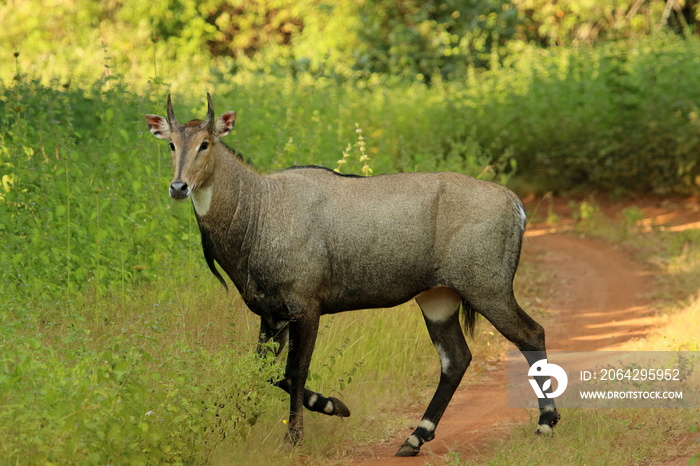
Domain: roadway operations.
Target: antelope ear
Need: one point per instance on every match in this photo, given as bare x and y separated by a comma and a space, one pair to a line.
158, 126
224, 124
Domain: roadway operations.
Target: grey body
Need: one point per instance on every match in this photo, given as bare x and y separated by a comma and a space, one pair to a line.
305, 242
355, 243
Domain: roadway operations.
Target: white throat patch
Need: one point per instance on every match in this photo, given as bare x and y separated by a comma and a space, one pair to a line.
201, 199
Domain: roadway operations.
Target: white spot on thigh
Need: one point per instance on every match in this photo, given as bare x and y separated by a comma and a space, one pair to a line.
444, 360
427, 425
413, 441
312, 399
438, 304
329, 407
201, 199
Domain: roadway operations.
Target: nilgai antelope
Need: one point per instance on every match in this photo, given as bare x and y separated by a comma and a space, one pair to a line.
307, 241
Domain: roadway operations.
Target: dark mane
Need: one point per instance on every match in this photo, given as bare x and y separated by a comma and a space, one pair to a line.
237, 154
319, 167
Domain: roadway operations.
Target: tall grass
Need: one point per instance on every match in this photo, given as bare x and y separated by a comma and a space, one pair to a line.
111, 314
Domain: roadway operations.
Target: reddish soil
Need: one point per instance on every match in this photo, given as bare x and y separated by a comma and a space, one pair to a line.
600, 301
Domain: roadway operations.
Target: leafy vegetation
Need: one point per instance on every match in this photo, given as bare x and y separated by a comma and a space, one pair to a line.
343, 39
124, 400
78, 169
115, 343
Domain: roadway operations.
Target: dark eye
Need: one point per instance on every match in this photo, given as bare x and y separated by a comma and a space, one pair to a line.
204, 145
172, 146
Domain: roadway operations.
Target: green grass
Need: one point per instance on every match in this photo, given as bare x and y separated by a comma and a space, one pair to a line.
111, 313
588, 436
109, 362
106, 359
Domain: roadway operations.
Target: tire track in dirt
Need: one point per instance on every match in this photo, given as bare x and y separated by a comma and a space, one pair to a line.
600, 302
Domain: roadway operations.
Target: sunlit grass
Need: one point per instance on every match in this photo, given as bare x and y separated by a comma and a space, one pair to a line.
380, 362
597, 436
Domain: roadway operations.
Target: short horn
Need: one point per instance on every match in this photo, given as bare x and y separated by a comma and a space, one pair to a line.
171, 115
209, 122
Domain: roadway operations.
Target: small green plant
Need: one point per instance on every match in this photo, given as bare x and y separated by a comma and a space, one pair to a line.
632, 217
361, 147
343, 159
696, 456
328, 368
552, 217
587, 215
586, 212
453, 459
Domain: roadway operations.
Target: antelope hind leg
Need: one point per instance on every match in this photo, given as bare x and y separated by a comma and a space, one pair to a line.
440, 310
528, 336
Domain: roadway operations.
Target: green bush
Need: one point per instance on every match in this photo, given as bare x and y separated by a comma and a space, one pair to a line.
621, 117
124, 401
79, 182
565, 22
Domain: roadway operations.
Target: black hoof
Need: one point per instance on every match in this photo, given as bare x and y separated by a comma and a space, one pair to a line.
547, 421
339, 408
407, 450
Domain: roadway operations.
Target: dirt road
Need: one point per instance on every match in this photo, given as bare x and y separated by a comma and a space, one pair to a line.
601, 302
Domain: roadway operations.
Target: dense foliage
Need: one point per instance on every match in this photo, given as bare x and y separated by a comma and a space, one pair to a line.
126, 401
522, 91
343, 39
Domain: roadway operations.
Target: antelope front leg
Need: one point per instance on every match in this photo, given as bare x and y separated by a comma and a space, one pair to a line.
275, 331
303, 328
279, 333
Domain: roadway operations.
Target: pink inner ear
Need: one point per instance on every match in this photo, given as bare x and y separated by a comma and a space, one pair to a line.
155, 121
158, 126
224, 124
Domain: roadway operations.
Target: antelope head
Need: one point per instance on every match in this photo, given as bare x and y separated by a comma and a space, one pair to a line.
192, 146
